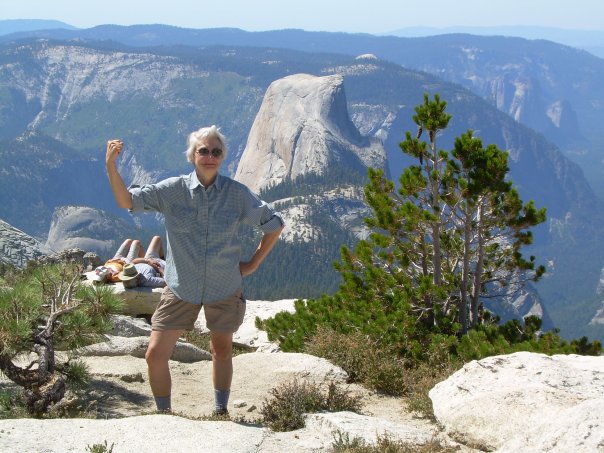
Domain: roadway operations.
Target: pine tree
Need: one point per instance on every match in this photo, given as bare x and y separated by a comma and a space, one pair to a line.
44, 310
493, 220
453, 228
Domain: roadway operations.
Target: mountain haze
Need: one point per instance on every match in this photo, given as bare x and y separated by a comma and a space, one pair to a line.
63, 99
553, 88
590, 40
10, 26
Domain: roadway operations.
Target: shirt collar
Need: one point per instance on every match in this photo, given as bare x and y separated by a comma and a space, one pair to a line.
193, 182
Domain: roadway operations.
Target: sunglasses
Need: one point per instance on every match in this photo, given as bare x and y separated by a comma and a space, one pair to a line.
216, 152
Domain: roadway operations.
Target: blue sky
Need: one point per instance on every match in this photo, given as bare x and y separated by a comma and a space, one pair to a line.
367, 16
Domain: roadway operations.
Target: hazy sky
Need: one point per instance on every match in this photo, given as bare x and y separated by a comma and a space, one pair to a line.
367, 16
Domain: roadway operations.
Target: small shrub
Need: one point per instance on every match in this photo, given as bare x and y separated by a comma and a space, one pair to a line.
385, 444
513, 336
338, 400
285, 412
221, 417
380, 369
75, 404
12, 406
100, 448
290, 401
47, 309
385, 371
584, 347
480, 343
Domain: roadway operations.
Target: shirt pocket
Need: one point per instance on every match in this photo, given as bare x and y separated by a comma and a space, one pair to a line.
226, 221
181, 219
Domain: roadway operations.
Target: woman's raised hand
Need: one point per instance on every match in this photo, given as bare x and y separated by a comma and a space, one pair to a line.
114, 148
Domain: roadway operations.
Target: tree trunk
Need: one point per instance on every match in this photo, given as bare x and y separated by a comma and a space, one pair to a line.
479, 266
39, 399
42, 385
465, 279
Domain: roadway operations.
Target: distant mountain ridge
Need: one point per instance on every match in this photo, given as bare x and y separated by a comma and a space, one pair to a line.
66, 98
552, 88
590, 40
8, 26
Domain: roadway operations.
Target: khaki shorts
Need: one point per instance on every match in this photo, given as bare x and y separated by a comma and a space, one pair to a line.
173, 313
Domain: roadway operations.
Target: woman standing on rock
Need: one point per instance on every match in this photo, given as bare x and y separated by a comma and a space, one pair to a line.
203, 211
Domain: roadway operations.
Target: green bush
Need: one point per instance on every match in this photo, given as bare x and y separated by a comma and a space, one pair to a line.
492, 339
584, 347
12, 406
385, 317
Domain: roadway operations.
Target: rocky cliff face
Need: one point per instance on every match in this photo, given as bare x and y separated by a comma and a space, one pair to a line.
17, 247
88, 229
520, 303
343, 207
74, 75
598, 318
303, 127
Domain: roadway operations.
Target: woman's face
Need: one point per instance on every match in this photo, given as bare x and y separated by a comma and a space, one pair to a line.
208, 156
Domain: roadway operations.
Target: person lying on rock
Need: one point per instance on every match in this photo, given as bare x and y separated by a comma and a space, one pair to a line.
133, 267
146, 270
203, 211
109, 272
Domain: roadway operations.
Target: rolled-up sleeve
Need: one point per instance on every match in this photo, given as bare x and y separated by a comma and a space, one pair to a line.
153, 197
144, 198
260, 214
273, 224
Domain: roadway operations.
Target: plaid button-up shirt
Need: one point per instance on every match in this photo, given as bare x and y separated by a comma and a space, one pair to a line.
202, 224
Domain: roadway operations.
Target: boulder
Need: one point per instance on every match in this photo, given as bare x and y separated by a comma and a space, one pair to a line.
525, 402
134, 434
181, 435
137, 346
127, 326
137, 301
87, 260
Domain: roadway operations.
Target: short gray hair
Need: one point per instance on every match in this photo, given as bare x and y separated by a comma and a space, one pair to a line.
195, 138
